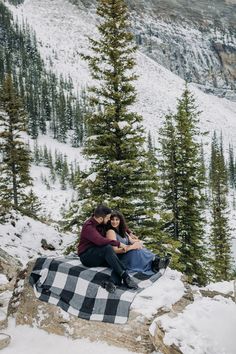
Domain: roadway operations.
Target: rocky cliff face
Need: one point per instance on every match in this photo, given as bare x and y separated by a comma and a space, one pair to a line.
195, 39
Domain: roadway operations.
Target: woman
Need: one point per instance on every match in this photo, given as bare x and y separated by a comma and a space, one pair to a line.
135, 257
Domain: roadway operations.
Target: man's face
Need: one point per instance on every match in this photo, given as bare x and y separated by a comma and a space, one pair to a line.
106, 218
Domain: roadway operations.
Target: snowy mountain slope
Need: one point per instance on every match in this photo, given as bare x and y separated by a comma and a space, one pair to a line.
194, 39
62, 30
54, 200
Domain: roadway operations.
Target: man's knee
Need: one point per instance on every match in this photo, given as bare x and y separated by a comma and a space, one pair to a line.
108, 249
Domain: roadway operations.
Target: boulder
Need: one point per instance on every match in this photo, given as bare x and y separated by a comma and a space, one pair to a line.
28, 310
3, 320
47, 246
9, 266
4, 340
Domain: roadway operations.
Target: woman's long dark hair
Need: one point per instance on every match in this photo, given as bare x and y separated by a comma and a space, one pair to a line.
122, 228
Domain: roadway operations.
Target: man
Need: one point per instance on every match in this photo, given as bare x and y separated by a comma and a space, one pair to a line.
95, 250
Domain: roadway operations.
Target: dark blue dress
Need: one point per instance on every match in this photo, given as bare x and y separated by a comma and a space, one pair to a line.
136, 260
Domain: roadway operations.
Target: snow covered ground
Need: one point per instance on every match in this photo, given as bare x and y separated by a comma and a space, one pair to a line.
27, 340
54, 200
22, 237
206, 326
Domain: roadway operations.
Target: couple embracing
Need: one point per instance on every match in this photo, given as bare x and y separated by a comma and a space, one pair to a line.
105, 240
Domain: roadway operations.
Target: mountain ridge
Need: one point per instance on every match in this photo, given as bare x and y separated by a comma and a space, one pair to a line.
194, 39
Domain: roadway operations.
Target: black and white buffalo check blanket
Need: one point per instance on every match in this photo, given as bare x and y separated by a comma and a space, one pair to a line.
65, 282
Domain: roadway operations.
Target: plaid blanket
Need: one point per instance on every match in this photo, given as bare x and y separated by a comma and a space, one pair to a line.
65, 282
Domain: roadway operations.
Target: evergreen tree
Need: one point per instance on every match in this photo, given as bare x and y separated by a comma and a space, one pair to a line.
14, 176
220, 232
36, 153
69, 111
151, 150
33, 124
120, 174
204, 172
64, 173
232, 168
182, 182
32, 205
169, 176
16, 2
78, 125
61, 115
45, 101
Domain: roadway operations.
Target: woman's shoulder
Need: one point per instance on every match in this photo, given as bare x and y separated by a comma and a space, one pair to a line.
110, 229
111, 232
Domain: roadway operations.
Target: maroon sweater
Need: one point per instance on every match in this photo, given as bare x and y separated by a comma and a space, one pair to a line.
92, 235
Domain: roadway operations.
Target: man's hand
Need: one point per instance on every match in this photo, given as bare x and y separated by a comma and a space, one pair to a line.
134, 237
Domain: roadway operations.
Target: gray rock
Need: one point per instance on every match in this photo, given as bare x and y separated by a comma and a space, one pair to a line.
47, 246
9, 265
4, 340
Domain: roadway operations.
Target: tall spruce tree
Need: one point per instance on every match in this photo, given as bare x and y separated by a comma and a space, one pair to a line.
14, 170
169, 176
182, 184
120, 174
232, 167
220, 231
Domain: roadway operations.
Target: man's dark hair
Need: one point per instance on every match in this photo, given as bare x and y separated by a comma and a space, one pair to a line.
101, 211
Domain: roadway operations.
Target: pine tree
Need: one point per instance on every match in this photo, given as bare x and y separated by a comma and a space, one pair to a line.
220, 231
32, 205
14, 176
45, 100
232, 169
120, 174
78, 125
36, 154
64, 173
151, 149
183, 184
61, 115
169, 176
204, 173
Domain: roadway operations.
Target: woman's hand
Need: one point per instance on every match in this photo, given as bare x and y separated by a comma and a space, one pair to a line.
123, 246
137, 245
